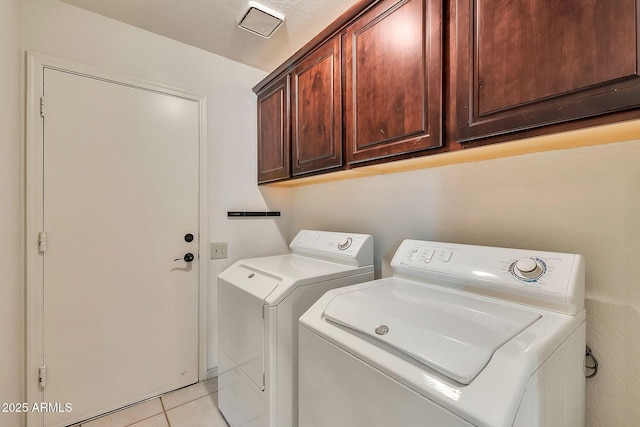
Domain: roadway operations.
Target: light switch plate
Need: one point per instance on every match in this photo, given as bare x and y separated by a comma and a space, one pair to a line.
218, 250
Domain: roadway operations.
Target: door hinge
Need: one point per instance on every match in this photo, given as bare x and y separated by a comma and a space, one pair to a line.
42, 376
42, 241
42, 106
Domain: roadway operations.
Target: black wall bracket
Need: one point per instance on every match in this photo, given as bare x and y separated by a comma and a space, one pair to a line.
252, 214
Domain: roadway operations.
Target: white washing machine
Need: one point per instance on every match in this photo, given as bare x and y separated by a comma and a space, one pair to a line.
459, 336
259, 303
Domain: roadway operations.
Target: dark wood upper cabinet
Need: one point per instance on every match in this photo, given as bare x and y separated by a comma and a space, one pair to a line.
274, 146
524, 64
392, 58
374, 85
316, 111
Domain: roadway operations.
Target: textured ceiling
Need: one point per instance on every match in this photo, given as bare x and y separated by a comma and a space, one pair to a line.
211, 24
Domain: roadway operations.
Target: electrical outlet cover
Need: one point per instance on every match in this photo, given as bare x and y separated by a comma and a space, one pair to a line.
218, 250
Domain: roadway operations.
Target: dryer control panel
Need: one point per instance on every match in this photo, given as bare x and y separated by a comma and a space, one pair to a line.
549, 280
345, 248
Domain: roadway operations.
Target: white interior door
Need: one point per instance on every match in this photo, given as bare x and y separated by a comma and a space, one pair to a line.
121, 191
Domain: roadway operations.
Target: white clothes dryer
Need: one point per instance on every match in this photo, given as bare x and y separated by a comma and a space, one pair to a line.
259, 303
459, 336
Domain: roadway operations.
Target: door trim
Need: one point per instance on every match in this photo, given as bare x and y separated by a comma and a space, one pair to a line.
34, 208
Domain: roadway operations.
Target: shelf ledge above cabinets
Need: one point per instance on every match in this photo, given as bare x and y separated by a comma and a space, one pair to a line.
606, 134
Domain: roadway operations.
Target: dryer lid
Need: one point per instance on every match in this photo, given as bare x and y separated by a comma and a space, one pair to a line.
276, 277
258, 284
452, 333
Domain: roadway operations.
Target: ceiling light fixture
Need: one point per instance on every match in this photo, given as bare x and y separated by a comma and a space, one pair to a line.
261, 20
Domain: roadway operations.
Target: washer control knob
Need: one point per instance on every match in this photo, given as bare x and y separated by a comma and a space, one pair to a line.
528, 268
344, 243
526, 265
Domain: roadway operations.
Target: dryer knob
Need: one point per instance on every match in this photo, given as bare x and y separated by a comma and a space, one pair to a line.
344, 243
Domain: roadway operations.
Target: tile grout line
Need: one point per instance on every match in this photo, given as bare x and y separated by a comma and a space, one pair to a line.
191, 400
166, 417
164, 410
151, 416
186, 403
116, 411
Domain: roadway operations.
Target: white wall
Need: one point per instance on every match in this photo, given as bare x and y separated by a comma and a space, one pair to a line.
63, 31
11, 257
583, 200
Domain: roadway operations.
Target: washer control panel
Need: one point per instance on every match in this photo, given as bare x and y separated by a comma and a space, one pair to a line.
549, 279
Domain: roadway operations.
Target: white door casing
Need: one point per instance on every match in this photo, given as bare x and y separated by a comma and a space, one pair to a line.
108, 179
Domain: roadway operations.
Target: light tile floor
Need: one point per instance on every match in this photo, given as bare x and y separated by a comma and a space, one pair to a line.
193, 406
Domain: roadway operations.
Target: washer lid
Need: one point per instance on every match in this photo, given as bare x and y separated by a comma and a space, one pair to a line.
452, 333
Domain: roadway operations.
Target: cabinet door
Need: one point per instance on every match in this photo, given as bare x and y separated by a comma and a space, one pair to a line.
316, 106
523, 64
393, 80
273, 132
